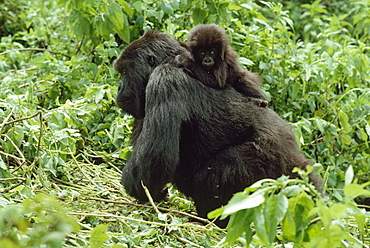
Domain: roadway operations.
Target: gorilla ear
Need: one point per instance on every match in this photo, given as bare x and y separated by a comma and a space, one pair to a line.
151, 60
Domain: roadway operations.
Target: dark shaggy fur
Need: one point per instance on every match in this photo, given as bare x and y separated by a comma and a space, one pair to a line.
215, 63
210, 143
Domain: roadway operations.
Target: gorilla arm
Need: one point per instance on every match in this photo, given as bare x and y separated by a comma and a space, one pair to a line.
156, 153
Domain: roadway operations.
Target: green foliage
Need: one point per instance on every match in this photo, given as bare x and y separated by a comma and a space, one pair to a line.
61, 132
96, 20
98, 236
285, 211
38, 221
322, 87
12, 19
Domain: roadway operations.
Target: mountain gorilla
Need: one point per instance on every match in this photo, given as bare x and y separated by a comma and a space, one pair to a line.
208, 142
215, 63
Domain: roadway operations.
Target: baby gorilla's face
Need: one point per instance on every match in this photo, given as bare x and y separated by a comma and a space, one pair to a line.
206, 57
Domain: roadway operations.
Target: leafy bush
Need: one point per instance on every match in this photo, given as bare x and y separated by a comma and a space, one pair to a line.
38, 221
287, 211
12, 18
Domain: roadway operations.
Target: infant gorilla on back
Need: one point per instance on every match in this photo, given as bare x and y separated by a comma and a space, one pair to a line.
215, 63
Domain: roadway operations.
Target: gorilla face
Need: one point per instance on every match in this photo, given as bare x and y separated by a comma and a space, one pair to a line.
131, 89
136, 63
208, 57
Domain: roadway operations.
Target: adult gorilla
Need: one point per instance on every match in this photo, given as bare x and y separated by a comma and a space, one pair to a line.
209, 142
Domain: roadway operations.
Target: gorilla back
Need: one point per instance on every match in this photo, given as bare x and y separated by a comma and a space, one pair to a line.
210, 143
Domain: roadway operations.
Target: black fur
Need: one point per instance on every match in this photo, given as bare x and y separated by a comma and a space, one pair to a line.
209, 142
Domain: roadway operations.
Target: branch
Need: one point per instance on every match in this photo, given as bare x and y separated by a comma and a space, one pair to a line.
22, 119
16, 71
151, 207
35, 49
104, 215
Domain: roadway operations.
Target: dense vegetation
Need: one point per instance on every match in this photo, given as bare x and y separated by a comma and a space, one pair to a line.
63, 141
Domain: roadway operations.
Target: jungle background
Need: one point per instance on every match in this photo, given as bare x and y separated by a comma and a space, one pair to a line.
63, 140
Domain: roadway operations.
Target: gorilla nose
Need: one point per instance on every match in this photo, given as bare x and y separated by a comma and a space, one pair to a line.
208, 62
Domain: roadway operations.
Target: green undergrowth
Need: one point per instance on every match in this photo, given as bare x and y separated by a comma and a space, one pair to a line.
90, 208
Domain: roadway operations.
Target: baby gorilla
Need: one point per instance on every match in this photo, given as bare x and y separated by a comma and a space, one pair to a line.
215, 63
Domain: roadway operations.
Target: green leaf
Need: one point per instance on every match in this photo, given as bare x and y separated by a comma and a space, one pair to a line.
346, 139
129, 11
245, 61
39, 61
363, 135
353, 190
199, 15
320, 125
275, 208
239, 223
82, 27
361, 221
260, 225
162, 217
3, 202
222, 11
2, 166
115, 15
289, 226
292, 190
241, 201
314, 232
349, 175
166, 8
298, 216
125, 32
343, 120
234, 7
337, 210
159, 15
98, 236
295, 90
215, 213
367, 128
247, 6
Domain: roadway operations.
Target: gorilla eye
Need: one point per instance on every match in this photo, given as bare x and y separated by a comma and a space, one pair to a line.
202, 53
212, 52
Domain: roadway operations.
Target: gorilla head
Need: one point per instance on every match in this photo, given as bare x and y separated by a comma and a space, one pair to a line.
136, 63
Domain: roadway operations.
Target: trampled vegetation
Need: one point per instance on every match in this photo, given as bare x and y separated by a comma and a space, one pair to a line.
63, 140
